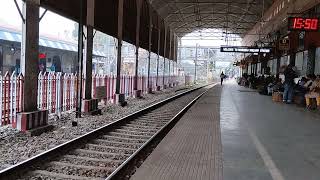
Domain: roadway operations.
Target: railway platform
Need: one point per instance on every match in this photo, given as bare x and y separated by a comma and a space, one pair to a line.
192, 149
234, 133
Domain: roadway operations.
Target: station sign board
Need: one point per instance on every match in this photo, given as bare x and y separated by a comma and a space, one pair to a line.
101, 92
284, 44
244, 49
303, 24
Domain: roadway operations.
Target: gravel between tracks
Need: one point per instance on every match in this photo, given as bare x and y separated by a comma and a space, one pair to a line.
84, 166
16, 146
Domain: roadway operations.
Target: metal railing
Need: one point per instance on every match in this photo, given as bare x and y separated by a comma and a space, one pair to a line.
57, 91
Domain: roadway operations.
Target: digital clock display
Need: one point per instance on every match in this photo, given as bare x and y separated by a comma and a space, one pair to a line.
303, 24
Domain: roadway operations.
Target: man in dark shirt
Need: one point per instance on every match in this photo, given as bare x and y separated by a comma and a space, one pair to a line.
222, 76
289, 75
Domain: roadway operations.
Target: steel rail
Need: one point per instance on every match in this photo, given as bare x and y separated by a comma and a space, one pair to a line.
118, 173
25, 166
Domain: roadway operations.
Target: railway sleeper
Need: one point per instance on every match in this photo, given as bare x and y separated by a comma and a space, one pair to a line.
156, 116
125, 131
122, 139
131, 136
78, 170
99, 154
117, 143
144, 125
43, 174
154, 120
144, 129
155, 124
111, 149
79, 160
141, 127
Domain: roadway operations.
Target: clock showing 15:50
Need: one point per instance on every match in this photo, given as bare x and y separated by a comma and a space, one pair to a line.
303, 24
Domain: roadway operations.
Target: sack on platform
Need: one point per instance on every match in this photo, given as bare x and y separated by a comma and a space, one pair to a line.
277, 96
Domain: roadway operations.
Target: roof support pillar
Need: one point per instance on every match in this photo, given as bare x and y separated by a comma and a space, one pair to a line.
120, 98
137, 93
173, 57
80, 61
87, 61
170, 57
29, 69
176, 55
264, 64
174, 48
256, 69
164, 57
89, 105
278, 53
311, 60
293, 58
158, 57
88, 46
30, 53
150, 45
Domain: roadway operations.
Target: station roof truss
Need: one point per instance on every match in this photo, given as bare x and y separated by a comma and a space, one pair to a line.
231, 16
178, 17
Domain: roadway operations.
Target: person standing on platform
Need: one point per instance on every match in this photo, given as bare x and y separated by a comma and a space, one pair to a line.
289, 75
222, 77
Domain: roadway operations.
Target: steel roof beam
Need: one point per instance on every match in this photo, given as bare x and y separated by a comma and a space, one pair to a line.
212, 2
215, 20
218, 13
191, 6
213, 27
179, 11
203, 25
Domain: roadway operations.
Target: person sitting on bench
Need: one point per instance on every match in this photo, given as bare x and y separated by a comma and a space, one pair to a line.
275, 85
314, 93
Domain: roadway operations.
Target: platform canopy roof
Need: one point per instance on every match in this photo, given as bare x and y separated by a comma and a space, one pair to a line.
233, 16
179, 16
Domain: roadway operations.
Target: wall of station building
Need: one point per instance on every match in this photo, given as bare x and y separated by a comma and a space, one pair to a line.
53, 60
304, 53
301, 64
58, 60
275, 18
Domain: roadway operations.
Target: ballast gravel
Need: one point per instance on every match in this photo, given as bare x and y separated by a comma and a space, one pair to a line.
16, 146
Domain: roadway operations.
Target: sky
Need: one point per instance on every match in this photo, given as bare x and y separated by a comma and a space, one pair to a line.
51, 24
217, 41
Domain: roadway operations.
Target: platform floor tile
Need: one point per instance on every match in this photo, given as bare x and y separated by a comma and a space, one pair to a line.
192, 149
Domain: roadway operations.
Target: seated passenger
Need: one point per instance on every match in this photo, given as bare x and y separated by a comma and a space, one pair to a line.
310, 79
262, 85
314, 93
252, 81
276, 85
243, 81
302, 81
304, 84
301, 89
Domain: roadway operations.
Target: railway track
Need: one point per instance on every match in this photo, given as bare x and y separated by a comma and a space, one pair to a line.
108, 152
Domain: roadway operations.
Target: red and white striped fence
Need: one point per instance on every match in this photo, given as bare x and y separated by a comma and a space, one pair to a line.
57, 91
11, 91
